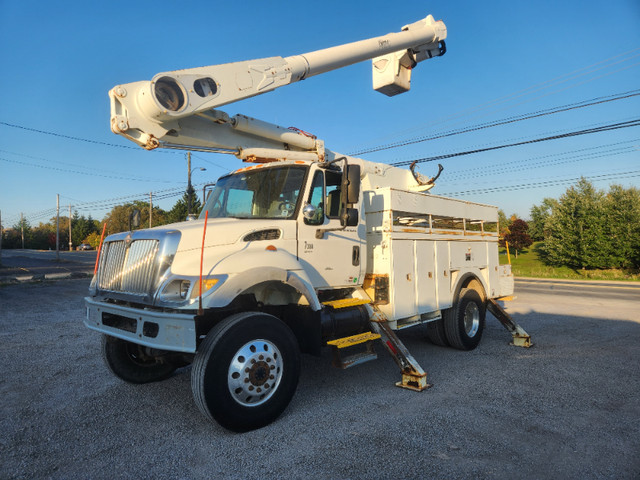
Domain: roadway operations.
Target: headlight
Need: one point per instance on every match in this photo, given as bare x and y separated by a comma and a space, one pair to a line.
175, 291
181, 290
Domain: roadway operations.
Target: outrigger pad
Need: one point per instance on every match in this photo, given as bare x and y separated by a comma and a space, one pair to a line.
520, 338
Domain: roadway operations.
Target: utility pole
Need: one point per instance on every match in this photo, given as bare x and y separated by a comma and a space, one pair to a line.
57, 227
22, 229
70, 242
189, 184
150, 207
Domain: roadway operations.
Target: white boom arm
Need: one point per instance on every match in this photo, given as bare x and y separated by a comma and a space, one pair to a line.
177, 109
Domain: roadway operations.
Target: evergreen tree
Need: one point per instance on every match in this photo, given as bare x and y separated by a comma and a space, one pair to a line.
576, 229
503, 223
622, 217
179, 211
539, 216
81, 228
23, 228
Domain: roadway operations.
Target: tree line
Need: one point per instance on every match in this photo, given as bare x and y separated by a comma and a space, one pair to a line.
585, 228
87, 230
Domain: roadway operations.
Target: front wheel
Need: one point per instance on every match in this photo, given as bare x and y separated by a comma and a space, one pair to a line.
132, 363
464, 322
246, 371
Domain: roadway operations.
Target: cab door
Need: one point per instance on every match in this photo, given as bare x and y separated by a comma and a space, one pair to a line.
335, 260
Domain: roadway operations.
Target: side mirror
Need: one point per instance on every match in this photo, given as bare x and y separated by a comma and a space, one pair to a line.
134, 219
353, 186
350, 218
309, 211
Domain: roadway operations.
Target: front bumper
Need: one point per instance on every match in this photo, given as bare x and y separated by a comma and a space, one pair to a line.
165, 331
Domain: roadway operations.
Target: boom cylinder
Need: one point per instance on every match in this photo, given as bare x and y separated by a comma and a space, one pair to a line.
425, 32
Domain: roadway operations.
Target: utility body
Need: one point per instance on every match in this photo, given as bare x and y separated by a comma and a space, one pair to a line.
301, 249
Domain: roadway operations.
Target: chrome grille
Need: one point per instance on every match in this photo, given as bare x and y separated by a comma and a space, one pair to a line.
128, 270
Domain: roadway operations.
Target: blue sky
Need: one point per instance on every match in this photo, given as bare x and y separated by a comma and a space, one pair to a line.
505, 59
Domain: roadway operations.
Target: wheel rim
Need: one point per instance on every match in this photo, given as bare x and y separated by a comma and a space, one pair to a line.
255, 373
471, 319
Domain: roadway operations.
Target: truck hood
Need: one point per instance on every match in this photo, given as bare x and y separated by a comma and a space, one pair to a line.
227, 231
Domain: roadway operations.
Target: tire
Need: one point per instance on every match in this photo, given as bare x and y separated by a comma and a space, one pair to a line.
436, 334
464, 322
129, 362
229, 376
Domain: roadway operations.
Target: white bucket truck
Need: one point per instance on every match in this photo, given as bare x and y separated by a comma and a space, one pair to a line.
300, 249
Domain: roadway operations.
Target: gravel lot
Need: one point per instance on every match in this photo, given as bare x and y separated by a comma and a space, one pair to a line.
567, 408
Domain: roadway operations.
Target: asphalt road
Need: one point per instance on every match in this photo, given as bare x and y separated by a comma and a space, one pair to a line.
621, 291
18, 263
567, 408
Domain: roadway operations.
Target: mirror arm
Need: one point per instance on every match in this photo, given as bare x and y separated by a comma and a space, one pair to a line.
344, 214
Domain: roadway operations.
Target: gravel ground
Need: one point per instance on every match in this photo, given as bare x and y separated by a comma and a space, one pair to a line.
566, 408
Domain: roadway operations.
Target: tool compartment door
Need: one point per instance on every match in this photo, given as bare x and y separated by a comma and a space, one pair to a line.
425, 276
403, 279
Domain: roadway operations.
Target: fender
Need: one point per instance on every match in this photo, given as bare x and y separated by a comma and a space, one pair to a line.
259, 267
465, 279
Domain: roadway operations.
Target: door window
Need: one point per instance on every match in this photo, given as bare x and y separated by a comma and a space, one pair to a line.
316, 198
334, 180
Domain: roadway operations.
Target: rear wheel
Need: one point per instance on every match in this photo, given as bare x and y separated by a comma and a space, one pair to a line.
464, 322
133, 363
246, 371
436, 333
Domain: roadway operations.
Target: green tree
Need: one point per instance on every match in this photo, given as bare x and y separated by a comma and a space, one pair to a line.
539, 216
93, 239
81, 228
11, 238
117, 219
575, 232
179, 211
622, 227
63, 234
503, 223
44, 236
23, 228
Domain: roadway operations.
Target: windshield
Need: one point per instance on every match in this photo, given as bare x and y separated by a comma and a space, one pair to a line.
259, 193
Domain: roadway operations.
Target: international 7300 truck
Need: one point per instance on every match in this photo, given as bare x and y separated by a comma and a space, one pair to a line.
302, 248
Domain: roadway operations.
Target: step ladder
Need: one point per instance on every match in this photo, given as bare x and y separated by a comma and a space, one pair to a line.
340, 346
413, 376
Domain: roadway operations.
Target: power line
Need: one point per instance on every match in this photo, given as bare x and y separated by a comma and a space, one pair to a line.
588, 131
532, 89
90, 174
92, 168
68, 137
104, 203
226, 169
505, 121
546, 183
527, 164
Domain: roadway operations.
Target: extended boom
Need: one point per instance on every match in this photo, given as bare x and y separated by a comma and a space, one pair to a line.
150, 113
